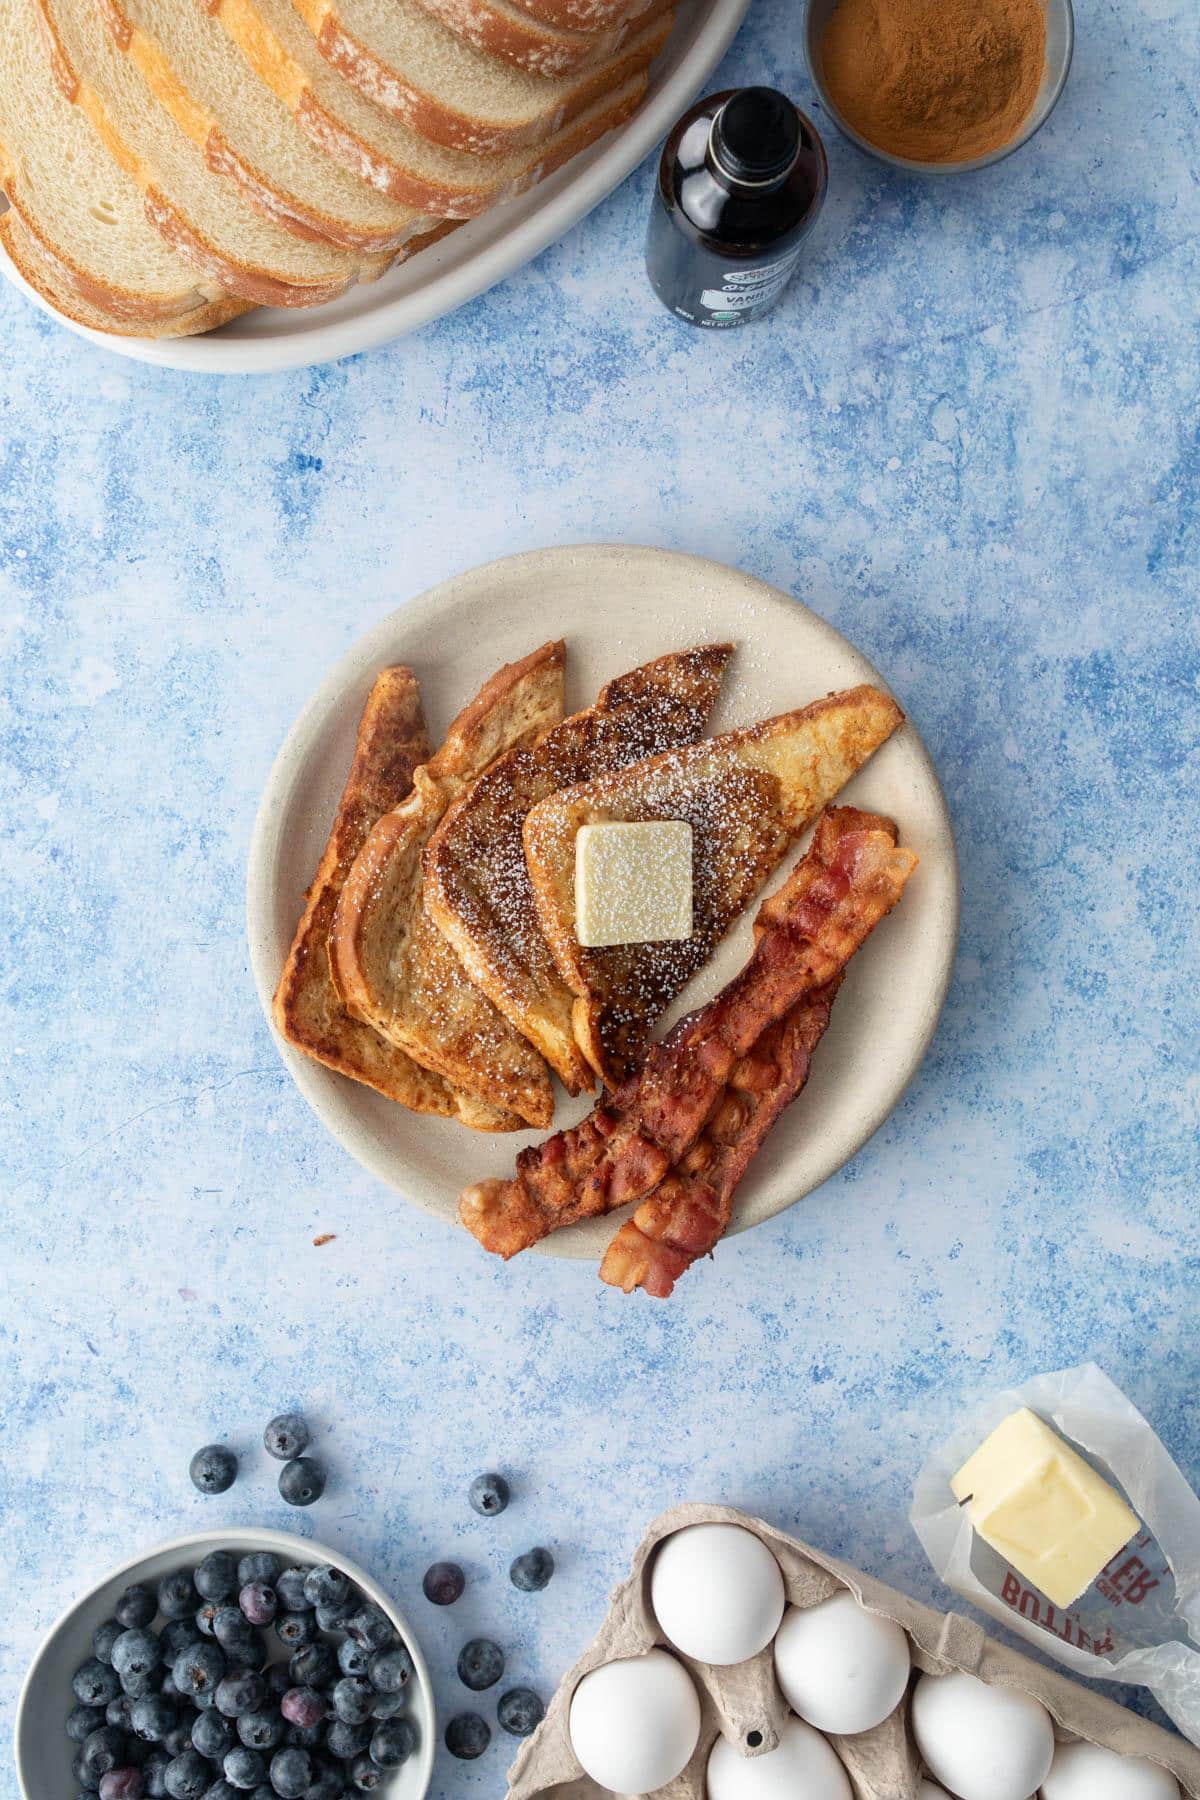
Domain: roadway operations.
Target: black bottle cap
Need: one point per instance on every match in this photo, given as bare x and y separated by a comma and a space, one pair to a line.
756, 136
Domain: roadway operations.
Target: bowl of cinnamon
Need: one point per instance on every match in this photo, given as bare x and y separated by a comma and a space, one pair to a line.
940, 86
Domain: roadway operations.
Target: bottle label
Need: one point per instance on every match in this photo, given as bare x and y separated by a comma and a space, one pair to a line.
749, 291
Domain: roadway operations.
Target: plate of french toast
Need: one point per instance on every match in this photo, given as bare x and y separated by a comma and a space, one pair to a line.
610, 942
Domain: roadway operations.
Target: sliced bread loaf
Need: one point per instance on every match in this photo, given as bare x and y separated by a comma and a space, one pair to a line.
539, 45
200, 214
578, 15
246, 132
75, 222
376, 146
409, 63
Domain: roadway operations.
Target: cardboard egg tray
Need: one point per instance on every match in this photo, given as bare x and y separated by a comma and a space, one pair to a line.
744, 1703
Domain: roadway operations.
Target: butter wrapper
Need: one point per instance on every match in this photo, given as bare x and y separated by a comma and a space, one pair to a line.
1139, 1621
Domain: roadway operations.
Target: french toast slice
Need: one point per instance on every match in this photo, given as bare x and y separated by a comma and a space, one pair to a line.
477, 889
392, 742
390, 963
747, 795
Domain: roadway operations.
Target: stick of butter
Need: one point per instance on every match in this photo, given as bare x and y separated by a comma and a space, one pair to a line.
1045, 1509
633, 883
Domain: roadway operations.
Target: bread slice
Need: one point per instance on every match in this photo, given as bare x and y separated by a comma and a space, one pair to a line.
390, 964
374, 145
477, 888
406, 61
578, 15
198, 213
505, 29
76, 226
244, 131
747, 795
392, 741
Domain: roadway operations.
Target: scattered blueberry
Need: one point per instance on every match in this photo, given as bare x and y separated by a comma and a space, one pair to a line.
301, 1481
154, 1771
532, 1571
136, 1651
241, 1692
344, 1740
333, 1618
221, 1790
286, 1436
244, 1768
262, 1729
520, 1712
117, 1712
199, 1670
325, 1585
443, 1583
366, 1775
265, 1792
94, 1683
370, 1627
258, 1602
330, 1782
104, 1749
467, 1736
236, 1636
187, 1776
480, 1664
216, 1576
177, 1596
121, 1784
212, 1734
351, 1698
391, 1669
83, 1720
488, 1495
386, 1706
137, 1606
258, 1565
314, 1665
303, 1706
213, 1469
294, 1629
103, 1639
84, 1777
151, 1718
179, 1635
142, 1682
290, 1592
206, 1617
179, 1740
352, 1659
393, 1742
292, 1772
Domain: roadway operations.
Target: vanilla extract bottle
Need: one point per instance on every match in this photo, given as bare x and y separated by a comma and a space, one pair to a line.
740, 184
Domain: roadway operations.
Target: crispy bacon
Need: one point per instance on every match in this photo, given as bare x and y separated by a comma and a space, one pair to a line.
690, 1210
851, 877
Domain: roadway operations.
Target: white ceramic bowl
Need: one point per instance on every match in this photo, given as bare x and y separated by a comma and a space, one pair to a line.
43, 1751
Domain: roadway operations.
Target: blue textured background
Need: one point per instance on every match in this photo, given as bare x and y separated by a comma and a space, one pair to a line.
969, 439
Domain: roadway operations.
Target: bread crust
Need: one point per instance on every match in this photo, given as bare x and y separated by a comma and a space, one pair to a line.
538, 45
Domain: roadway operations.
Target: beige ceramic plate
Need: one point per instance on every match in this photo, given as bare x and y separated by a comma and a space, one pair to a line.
617, 607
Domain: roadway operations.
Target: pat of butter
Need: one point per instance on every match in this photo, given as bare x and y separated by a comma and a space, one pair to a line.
633, 883
1045, 1509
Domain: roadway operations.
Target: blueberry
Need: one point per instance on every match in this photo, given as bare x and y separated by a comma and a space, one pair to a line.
179, 1740
290, 1592
121, 1784
242, 1645
305, 1737
333, 1618
177, 1596
135, 1652
325, 1586
265, 1792
279, 1678
118, 1711
532, 1571
179, 1635
294, 1629
386, 1706
94, 1683
215, 1577
221, 1790
390, 1670
154, 1771
286, 1436
520, 1712
244, 1768
292, 1772
103, 1639
104, 1749
303, 1706
480, 1664
199, 1670
301, 1481
488, 1495
371, 1628
84, 1777
352, 1697
137, 1606
467, 1736
261, 1729
205, 1618
213, 1469
244, 1691
352, 1659
330, 1781
212, 1734
366, 1775
187, 1776
443, 1583
258, 1602
83, 1720
393, 1742
136, 1686
315, 1665
258, 1565
151, 1718
344, 1740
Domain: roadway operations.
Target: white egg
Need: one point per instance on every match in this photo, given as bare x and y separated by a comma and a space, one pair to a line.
983, 1743
803, 1767
634, 1723
717, 1592
1086, 1772
841, 1667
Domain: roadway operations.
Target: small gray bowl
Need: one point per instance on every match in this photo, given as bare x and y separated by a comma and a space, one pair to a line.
1060, 45
43, 1752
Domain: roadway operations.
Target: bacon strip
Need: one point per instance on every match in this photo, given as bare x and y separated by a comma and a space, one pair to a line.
851, 877
689, 1212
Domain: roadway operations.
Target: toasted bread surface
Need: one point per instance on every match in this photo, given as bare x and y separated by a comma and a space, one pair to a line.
392, 741
747, 795
477, 888
391, 965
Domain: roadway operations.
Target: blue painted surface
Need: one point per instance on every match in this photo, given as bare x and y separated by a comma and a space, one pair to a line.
970, 440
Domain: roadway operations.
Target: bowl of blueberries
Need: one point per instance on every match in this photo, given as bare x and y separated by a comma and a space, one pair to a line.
229, 1665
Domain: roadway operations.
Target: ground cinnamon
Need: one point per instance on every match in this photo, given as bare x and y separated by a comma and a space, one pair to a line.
935, 80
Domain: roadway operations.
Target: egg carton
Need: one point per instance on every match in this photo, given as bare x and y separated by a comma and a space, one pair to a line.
744, 1704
